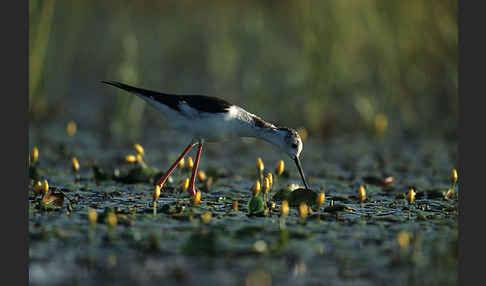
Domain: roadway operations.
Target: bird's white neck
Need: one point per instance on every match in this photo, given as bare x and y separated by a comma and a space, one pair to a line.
253, 126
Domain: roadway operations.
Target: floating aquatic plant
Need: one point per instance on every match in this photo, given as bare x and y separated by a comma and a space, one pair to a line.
319, 201
256, 205
139, 149
184, 185
197, 198
34, 155
454, 177
181, 163
403, 239
111, 219
206, 217
190, 164
75, 164
92, 216
38, 188
280, 168
284, 212
303, 211
260, 168
256, 188
156, 196
71, 128
131, 158
45, 187
266, 189
362, 193
411, 196
201, 175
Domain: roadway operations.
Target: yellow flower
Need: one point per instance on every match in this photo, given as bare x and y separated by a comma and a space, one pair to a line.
381, 123
190, 163
185, 184
131, 159
266, 185
111, 219
92, 216
75, 164
256, 188
34, 156
303, 210
235, 205
45, 187
202, 176
411, 196
206, 217
208, 183
156, 192
280, 168
197, 198
403, 239
71, 128
181, 163
285, 208
362, 193
139, 149
38, 188
260, 165
320, 199
454, 176
270, 178
139, 157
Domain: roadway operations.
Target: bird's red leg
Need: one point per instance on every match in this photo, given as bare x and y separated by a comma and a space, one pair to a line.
162, 180
192, 189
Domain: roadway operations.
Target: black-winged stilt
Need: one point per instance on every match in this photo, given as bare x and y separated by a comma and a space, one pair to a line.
213, 119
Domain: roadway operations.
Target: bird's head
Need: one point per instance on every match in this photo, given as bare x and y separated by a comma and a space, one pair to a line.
291, 144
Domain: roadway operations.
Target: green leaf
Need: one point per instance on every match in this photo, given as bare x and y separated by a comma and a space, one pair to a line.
255, 205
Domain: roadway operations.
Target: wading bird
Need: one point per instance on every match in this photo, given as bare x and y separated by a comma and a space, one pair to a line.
211, 119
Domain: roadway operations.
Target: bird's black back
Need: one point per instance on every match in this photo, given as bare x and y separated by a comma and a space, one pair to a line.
202, 103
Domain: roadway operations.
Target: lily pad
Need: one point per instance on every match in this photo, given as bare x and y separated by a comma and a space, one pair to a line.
336, 208
172, 209
302, 195
100, 175
138, 174
284, 193
255, 205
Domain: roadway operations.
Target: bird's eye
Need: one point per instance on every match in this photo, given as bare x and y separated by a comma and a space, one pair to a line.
294, 145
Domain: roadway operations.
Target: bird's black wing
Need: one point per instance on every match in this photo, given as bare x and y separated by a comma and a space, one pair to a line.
200, 102
206, 103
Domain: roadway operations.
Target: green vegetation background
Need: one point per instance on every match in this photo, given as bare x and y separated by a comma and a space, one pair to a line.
333, 67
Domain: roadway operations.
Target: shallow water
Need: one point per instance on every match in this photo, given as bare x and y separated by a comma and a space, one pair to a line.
357, 246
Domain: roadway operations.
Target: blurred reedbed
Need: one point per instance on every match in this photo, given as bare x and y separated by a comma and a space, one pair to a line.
333, 67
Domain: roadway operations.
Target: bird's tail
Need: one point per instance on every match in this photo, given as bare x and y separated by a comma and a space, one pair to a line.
170, 100
129, 88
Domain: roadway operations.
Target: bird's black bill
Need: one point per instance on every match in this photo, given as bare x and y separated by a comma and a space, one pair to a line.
297, 162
